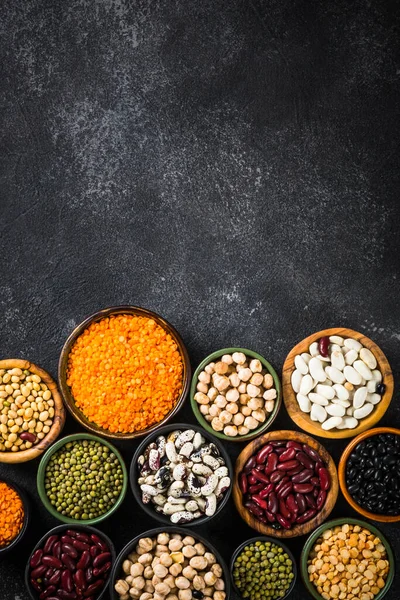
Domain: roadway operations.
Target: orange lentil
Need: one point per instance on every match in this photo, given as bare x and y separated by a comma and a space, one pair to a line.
11, 514
125, 373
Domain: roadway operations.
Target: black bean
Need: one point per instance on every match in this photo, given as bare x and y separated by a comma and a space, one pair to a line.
380, 388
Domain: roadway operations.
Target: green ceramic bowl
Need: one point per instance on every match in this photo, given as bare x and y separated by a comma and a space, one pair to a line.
42, 470
328, 525
195, 407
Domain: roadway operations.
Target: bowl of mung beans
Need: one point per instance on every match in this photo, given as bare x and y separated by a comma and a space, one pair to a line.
32, 413
348, 559
263, 568
124, 372
82, 478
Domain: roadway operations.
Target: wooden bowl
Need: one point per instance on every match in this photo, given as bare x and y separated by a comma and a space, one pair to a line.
263, 426
303, 420
63, 362
297, 530
58, 419
342, 475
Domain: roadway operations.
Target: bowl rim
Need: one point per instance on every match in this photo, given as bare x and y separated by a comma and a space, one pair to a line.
302, 420
264, 426
42, 469
27, 514
333, 523
153, 533
64, 527
284, 434
263, 538
69, 401
342, 474
135, 488
58, 419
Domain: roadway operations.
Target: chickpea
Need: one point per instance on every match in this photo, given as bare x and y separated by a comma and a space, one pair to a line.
162, 588
160, 571
188, 551
148, 572
185, 594
246, 411
219, 595
210, 578
145, 559
269, 395
182, 583
216, 569
259, 415
232, 408
242, 388
203, 408
220, 401
243, 430
269, 406
219, 585
201, 398
202, 387
135, 593
136, 569
225, 417
244, 374
251, 423
234, 380
165, 559
214, 411
238, 419
138, 583
204, 377
175, 569
255, 403
189, 573
231, 430
121, 587
244, 399
216, 424
210, 368
212, 393
221, 367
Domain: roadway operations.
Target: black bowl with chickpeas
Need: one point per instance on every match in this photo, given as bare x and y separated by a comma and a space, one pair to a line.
167, 563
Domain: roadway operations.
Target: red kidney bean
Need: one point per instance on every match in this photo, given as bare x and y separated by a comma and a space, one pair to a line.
251, 480
310, 501
282, 483
253, 508
309, 514
276, 476
94, 588
84, 560
289, 464
272, 461
279, 451
94, 551
57, 550
89, 574
270, 516
260, 476
315, 492
305, 460
313, 454
28, 437
288, 454
323, 346
49, 544
314, 480
259, 501
102, 570
66, 580
292, 504
243, 483
266, 491
82, 537
301, 502
70, 550
321, 499
283, 510
55, 578
36, 585
286, 524
72, 533
49, 573
81, 546
285, 490
272, 503
324, 479
250, 464
52, 561
294, 471
95, 538
68, 562
253, 489
278, 443
318, 465
303, 488
295, 445
303, 476
64, 595
80, 579
36, 558
67, 539
47, 592
262, 454
38, 571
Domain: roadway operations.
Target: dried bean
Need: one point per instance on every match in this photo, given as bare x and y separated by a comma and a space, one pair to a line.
286, 466
266, 491
260, 476
276, 476
321, 499
272, 462
94, 588
84, 560
70, 550
52, 561
283, 510
309, 514
106, 567
303, 476
301, 502
293, 444
38, 571
310, 501
68, 562
324, 479
262, 454
272, 503
323, 346
57, 550
288, 454
292, 504
260, 502
66, 580
49, 544
82, 546
303, 488
47, 592
80, 579
55, 578
101, 559
36, 558
286, 524
305, 460
243, 483
313, 454
95, 538
253, 489
250, 464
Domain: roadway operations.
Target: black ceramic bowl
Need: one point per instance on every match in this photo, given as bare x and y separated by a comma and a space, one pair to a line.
134, 473
27, 515
264, 538
59, 529
116, 571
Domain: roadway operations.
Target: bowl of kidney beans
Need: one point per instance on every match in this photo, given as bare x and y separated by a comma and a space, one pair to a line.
285, 484
70, 563
369, 475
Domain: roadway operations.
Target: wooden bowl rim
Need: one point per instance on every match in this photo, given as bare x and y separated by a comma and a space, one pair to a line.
264, 426
77, 414
58, 419
341, 521
27, 514
302, 419
42, 470
264, 538
331, 497
342, 474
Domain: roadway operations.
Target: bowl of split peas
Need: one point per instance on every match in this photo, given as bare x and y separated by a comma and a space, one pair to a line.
124, 372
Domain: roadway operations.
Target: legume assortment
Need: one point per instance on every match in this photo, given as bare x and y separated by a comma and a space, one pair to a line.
125, 373
183, 476
26, 409
348, 563
83, 479
263, 570
11, 514
236, 394
171, 567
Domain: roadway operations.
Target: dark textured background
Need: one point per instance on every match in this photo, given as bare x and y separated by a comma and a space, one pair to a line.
232, 165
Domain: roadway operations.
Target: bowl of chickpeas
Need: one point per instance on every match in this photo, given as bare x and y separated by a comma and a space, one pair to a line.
235, 394
32, 412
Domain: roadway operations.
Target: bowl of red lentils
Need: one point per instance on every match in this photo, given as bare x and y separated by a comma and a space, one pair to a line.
14, 515
124, 372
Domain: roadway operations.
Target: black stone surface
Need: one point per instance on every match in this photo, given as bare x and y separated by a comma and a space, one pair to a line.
231, 165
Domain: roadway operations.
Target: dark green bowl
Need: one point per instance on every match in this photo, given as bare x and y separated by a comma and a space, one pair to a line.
42, 470
328, 525
195, 407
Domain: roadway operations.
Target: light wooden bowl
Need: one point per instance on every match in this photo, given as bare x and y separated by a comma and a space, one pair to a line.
302, 419
342, 475
58, 419
297, 530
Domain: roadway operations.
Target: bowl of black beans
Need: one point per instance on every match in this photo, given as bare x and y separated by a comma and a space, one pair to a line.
369, 475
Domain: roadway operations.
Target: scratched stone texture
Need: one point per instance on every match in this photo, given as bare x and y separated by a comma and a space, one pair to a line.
233, 166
